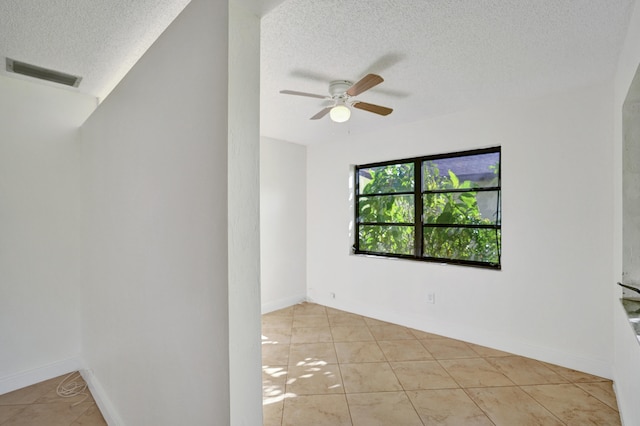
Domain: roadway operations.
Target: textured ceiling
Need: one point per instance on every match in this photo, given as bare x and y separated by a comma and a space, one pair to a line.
98, 40
436, 56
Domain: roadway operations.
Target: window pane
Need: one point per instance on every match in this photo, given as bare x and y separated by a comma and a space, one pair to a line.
481, 245
470, 171
472, 208
386, 179
386, 208
387, 239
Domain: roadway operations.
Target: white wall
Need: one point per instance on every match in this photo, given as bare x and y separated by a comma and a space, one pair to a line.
283, 223
244, 217
551, 299
155, 300
39, 237
627, 349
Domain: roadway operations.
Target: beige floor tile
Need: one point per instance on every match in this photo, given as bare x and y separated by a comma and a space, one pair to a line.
447, 407
30, 394
286, 312
346, 333
573, 405
277, 322
404, 350
574, 376
386, 370
91, 417
274, 379
382, 409
276, 336
310, 321
71, 381
334, 311
369, 377
511, 406
375, 322
448, 348
282, 327
272, 413
350, 352
424, 335
525, 371
474, 372
311, 335
603, 391
317, 410
391, 332
52, 397
312, 354
416, 375
314, 380
347, 320
59, 414
274, 354
8, 411
486, 352
308, 309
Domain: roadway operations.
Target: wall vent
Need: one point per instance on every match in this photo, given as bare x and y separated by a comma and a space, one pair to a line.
29, 70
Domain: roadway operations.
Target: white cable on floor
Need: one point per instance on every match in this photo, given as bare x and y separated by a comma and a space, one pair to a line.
70, 386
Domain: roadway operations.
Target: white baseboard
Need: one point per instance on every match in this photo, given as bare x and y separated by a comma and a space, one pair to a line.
36, 375
517, 346
102, 400
282, 303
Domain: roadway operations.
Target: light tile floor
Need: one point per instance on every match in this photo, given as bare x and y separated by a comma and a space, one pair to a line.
322, 366
39, 405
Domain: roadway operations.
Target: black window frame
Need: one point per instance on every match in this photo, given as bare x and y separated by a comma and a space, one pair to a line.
419, 222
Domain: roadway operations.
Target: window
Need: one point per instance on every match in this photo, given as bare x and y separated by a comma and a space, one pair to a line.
439, 208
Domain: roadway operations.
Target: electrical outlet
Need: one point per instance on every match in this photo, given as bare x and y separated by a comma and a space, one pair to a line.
431, 298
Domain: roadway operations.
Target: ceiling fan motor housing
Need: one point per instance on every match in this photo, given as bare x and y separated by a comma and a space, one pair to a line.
338, 88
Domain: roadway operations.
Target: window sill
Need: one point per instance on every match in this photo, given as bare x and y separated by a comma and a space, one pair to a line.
443, 262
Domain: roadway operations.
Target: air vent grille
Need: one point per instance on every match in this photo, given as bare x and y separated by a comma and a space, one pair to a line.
29, 70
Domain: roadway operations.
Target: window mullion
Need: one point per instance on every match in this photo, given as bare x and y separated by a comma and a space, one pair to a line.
417, 202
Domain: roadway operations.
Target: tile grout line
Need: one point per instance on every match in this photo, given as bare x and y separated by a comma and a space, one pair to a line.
344, 387
541, 404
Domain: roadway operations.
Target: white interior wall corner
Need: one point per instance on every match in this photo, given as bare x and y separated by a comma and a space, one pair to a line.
40, 244
244, 218
283, 223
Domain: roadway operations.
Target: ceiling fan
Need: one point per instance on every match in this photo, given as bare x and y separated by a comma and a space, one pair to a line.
341, 93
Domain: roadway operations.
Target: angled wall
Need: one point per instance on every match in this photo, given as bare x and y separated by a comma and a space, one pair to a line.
155, 285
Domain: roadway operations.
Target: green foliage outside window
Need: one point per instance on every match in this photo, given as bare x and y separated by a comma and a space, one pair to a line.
398, 210
460, 219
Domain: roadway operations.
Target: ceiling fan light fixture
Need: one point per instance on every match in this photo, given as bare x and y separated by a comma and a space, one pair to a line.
340, 113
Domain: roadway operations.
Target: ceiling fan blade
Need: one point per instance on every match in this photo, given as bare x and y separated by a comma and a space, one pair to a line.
377, 109
310, 95
365, 83
322, 113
